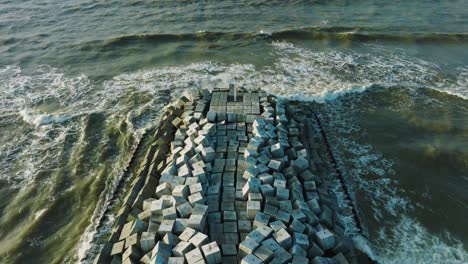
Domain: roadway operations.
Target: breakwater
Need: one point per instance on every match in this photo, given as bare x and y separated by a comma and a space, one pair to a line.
235, 176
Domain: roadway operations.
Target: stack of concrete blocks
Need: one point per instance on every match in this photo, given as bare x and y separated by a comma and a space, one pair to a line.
236, 184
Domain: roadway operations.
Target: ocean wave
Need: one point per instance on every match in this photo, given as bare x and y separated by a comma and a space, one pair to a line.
336, 33
39, 119
137, 98
408, 242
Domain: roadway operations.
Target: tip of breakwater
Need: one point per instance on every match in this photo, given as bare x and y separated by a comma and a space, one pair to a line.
232, 176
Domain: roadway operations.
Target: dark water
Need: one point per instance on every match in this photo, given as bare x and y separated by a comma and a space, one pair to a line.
81, 80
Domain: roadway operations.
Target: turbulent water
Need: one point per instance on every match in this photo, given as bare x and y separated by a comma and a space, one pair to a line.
80, 81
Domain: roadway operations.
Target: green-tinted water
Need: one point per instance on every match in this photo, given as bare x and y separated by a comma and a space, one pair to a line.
81, 80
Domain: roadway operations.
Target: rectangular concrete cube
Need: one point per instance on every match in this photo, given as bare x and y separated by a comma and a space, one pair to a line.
212, 253
194, 256
247, 247
283, 238
325, 239
199, 239
166, 227
252, 208
182, 248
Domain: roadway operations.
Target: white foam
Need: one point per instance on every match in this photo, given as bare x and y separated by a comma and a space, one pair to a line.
39, 213
39, 119
296, 73
410, 243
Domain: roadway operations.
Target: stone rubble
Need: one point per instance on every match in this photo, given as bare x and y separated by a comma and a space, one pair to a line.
230, 179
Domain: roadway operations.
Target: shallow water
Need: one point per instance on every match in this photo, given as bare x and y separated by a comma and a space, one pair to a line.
80, 81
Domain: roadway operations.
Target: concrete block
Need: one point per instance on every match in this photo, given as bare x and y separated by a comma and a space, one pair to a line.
251, 259
184, 210
282, 194
147, 241
255, 197
170, 239
297, 250
166, 227
244, 226
182, 248
301, 240
283, 216
281, 256
132, 227
260, 219
264, 254
271, 244
247, 247
133, 240
212, 253
194, 256
267, 190
181, 191
275, 165
300, 164
230, 227
250, 172
199, 239
118, 248
208, 154
196, 198
299, 215
131, 253
325, 239
255, 235
170, 213
161, 249
229, 249
283, 238
176, 260
197, 222
187, 234
146, 259
277, 151
230, 216
270, 210
314, 250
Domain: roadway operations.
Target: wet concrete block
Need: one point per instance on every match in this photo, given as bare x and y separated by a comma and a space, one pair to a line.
212, 253
247, 247
282, 194
300, 164
281, 256
251, 259
229, 249
277, 151
264, 254
325, 239
283, 238
283, 216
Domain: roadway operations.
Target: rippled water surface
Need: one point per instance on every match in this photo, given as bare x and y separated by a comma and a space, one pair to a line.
80, 81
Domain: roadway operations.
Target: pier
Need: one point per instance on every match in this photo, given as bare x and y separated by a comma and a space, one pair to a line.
234, 176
